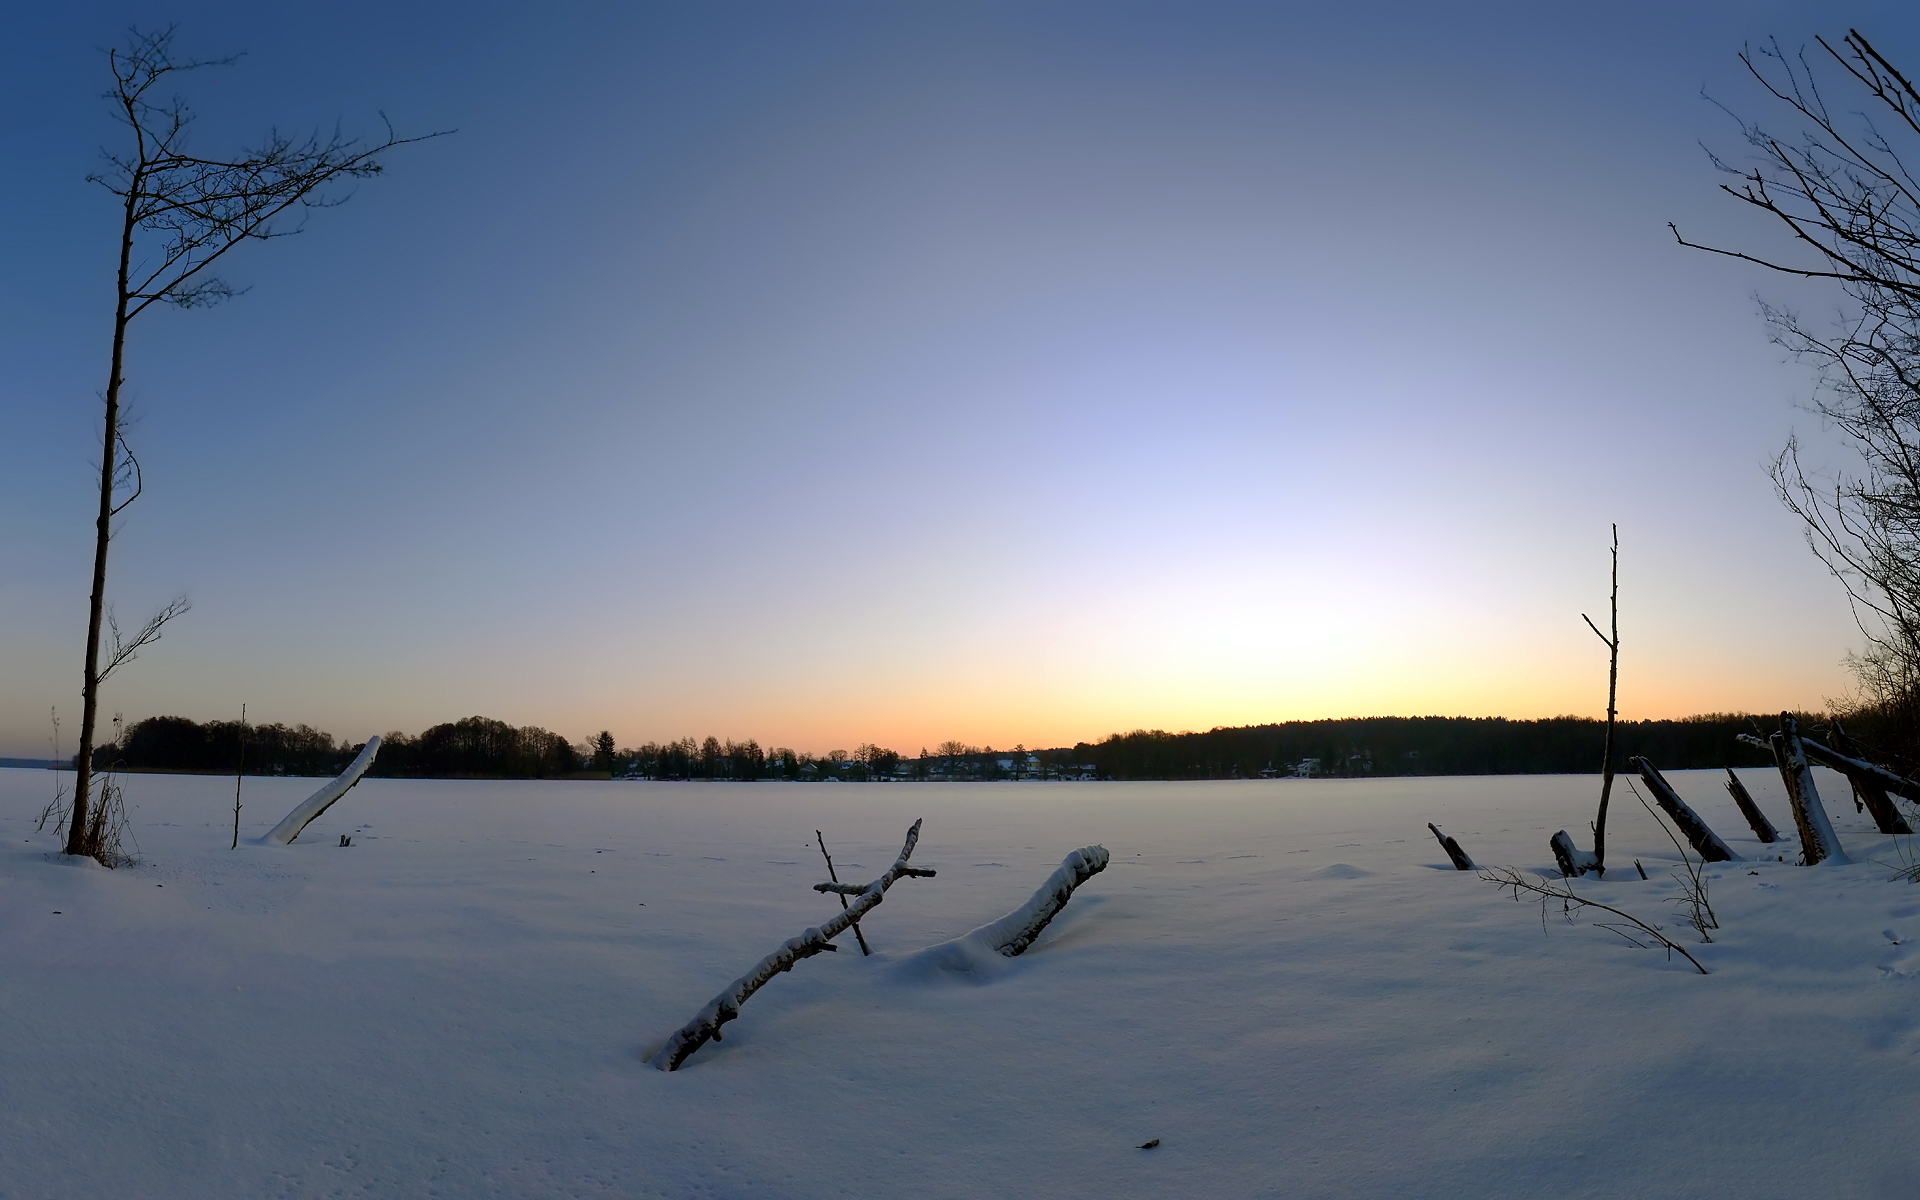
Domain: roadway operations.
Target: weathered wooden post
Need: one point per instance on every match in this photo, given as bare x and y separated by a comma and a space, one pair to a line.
1762, 828
1817, 841
1460, 860
1706, 843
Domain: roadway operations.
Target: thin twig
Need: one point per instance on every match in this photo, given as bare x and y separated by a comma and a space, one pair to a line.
858, 936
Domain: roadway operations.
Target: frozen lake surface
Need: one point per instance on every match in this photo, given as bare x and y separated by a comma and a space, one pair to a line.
1282, 981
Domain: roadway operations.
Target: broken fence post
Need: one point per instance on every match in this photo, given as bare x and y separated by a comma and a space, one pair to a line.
1762, 828
1460, 860
1706, 843
726, 1006
1818, 843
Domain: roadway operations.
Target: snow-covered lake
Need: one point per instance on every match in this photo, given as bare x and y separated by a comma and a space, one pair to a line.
1282, 981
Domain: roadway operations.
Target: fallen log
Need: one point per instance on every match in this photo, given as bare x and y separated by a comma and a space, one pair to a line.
1706, 843
303, 813
1460, 860
1818, 843
726, 1006
1013, 933
1762, 828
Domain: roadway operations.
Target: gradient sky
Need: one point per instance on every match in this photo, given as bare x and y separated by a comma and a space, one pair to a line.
832, 372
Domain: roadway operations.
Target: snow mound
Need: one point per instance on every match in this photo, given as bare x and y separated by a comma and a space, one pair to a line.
1340, 871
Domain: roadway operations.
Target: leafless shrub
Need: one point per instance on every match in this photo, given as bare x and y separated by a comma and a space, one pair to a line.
1692, 880
1627, 926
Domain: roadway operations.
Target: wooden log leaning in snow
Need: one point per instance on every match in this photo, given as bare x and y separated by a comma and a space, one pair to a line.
1706, 843
1818, 843
1460, 860
726, 1006
305, 811
1013, 933
1870, 783
1762, 828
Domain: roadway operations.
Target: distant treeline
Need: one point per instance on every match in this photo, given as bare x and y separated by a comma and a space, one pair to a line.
480, 747
477, 747
1376, 746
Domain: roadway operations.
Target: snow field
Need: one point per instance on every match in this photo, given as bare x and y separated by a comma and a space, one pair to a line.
1284, 981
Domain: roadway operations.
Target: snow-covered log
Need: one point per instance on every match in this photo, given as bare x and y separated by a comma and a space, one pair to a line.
1571, 859
1817, 841
320, 801
726, 1006
1706, 843
1454, 852
1870, 783
1013, 933
1762, 828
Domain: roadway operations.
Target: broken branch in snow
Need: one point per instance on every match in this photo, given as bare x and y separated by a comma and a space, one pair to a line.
1693, 884
1013, 933
1460, 860
1511, 879
290, 826
726, 1006
833, 875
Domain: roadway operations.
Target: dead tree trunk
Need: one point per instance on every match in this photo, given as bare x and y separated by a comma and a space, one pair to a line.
1705, 842
1762, 828
1460, 860
1599, 864
1817, 841
726, 1006
1868, 791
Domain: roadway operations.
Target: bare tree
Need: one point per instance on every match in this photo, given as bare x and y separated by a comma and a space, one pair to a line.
1573, 861
1842, 191
180, 214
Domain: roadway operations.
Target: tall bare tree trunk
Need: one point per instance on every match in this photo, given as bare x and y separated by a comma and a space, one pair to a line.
1613, 693
77, 842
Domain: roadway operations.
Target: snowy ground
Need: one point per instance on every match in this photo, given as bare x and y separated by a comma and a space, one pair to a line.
1278, 980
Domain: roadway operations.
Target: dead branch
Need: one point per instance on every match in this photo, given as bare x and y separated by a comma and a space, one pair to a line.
834, 876
126, 649
1013, 933
1511, 879
726, 1006
1693, 884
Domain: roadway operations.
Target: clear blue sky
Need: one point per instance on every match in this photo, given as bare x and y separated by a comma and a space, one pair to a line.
829, 372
